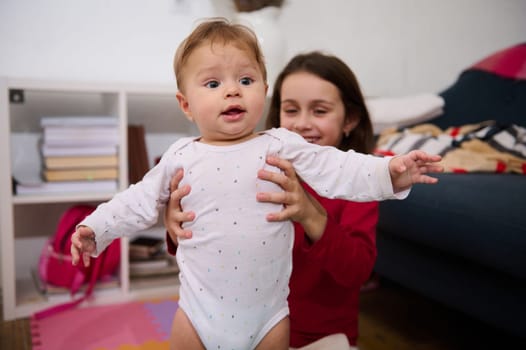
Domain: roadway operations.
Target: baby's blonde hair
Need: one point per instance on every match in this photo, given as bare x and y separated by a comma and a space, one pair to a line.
218, 30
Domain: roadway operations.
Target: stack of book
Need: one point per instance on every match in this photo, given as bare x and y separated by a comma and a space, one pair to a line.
148, 257
80, 149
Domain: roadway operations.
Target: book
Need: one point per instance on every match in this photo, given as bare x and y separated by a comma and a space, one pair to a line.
137, 154
144, 247
146, 282
162, 265
82, 141
152, 264
68, 162
70, 131
81, 135
78, 121
66, 131
93, 150
80, 174
30, 188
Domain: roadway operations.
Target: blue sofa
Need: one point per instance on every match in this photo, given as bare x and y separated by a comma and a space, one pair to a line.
463, 242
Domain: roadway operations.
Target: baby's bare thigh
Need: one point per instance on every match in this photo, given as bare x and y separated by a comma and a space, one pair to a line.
183, 335
277, 338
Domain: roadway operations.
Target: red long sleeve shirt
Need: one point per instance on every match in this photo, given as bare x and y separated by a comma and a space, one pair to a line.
327, 275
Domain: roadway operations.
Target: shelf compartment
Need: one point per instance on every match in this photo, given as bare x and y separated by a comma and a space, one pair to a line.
26, 221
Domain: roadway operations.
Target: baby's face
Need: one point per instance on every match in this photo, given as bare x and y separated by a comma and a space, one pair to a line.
224, 93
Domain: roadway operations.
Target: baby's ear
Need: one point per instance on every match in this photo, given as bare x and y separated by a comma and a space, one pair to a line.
183, 104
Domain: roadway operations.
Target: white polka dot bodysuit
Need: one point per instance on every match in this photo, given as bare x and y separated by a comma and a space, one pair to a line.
235, 269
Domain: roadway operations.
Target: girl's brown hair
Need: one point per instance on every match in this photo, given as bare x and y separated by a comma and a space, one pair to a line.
335, 71
218, 30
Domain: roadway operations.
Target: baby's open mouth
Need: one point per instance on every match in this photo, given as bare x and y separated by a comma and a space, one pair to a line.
233, 114
233, 111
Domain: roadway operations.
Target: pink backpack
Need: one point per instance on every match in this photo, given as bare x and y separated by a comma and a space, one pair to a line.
55, 265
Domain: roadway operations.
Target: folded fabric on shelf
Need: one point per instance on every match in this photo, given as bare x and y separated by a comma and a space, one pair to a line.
402, 111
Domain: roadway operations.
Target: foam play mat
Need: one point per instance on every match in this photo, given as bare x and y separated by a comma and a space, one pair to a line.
143, 325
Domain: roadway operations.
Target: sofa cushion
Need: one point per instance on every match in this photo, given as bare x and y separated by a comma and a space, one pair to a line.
492, 89
509, 62
478, 96
477, 216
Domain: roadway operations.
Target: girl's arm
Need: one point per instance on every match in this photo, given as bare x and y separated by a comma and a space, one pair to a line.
339, 235
347, 247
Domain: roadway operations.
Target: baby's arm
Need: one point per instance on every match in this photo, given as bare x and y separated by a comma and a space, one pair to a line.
137, 207
412, 168
351, 175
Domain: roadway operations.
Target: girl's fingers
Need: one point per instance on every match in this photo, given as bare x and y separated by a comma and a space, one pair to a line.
174, 215
176, 195
283, 215
273, 197
176, 179
284, 165
277, 178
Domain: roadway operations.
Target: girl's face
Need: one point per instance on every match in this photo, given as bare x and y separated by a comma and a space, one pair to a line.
224, 93
313, 108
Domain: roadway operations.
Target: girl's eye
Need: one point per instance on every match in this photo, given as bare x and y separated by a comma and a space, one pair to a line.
290, 111
320, 112
246, 81
212, 84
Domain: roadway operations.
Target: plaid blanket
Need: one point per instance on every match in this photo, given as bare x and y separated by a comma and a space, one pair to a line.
484, 147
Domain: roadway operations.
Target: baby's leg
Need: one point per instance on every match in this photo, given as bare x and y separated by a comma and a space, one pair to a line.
183, 335
277, 338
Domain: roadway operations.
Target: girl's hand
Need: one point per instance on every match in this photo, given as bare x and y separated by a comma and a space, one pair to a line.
411, 168
82, 244
174, 216
298, 204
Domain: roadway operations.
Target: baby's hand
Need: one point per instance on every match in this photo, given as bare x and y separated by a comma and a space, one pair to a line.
411, 168
82, 243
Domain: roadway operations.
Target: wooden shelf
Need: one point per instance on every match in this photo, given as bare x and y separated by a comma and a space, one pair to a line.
24, 216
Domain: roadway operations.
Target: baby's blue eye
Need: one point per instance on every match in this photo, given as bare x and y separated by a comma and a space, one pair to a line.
212, 84
245, 81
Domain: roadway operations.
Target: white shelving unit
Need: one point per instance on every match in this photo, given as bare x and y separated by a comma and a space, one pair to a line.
27, 221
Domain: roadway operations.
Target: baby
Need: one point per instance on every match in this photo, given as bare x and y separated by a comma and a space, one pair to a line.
235, 269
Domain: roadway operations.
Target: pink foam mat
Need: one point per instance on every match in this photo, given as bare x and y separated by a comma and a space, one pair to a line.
133, 325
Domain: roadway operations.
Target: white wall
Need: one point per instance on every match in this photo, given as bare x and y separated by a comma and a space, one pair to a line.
394, 46
108, 40
406, 46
